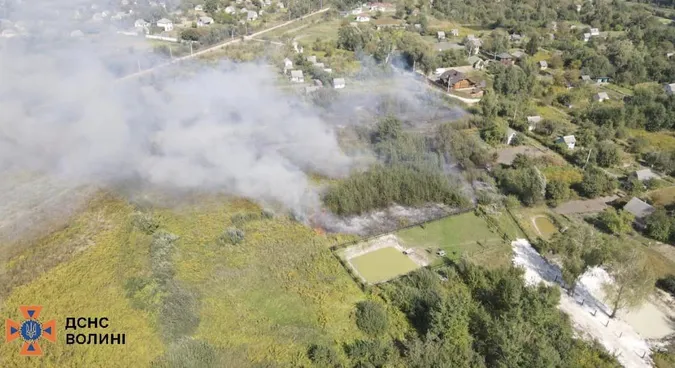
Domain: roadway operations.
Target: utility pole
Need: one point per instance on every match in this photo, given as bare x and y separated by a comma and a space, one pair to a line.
587, 158
191, 47
170, 54
139, 65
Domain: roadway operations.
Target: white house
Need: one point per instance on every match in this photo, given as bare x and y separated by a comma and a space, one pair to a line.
670, 88
601, 96
595, 32
166, 24
440, 35
142, 26
204, 21
199, 8
288, 64
251, 16
362, 18
670, 54
454, 32
568, 140
532, 122
543, 65
230, 10
587, 37
338, 83
297, 77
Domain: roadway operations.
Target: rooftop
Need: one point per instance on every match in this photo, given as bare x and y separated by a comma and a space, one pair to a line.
638, 208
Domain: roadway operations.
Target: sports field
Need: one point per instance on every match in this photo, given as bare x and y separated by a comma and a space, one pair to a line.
465, 235
383, 264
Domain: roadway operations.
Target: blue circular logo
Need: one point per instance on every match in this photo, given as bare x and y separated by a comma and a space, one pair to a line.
31, 330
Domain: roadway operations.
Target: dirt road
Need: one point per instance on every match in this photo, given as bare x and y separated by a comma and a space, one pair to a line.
215, 47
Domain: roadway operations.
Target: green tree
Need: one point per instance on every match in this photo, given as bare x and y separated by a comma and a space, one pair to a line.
580, 248
659, 225
596, 183
557, 191
617, 222
633, 282
190, 34
608, 154
371, 317
533, 44
389, 128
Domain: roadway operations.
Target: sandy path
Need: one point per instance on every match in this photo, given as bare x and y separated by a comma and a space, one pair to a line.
589, 319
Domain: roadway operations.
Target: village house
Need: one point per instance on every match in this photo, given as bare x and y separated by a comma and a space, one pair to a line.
288, 64
532, 122
338, 83
645, 174
363, 17
505, 58
595, 32
670, 54
251, 16
440, 35
670, 88
516, 38
601, 96
640, 209
476, 62
199, 8
543, 65
454, 32
454, 79
166, 24
587, 37
297, 77
380, 7
230, 10
204, 21
569, 140
601, 80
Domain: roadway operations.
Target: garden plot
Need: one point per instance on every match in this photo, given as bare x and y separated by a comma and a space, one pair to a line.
383, 259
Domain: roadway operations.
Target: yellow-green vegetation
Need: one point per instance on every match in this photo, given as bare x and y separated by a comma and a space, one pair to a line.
324, 30
549, 112
262, 300
462, 235
663, 141
567, 174
663, 196
89, 284
269, 296
383, 264
528, 216
545, 226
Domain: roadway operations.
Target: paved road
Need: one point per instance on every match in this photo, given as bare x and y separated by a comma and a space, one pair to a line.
216, 47
584, 206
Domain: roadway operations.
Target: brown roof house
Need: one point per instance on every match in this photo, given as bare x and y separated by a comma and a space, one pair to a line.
454, 79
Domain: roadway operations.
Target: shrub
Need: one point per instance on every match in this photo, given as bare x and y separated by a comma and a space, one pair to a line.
371, 317
324, 356
242, 218
160, 255
231, 236
144, 222
267, 214
179, 313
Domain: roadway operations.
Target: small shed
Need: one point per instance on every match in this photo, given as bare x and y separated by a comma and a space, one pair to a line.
338, 83
440, 35
601, 96
297, 77
645, 174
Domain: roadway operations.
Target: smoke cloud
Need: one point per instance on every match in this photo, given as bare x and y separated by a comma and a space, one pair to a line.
226, 128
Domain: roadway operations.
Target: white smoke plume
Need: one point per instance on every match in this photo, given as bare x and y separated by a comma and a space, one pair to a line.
225, 129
